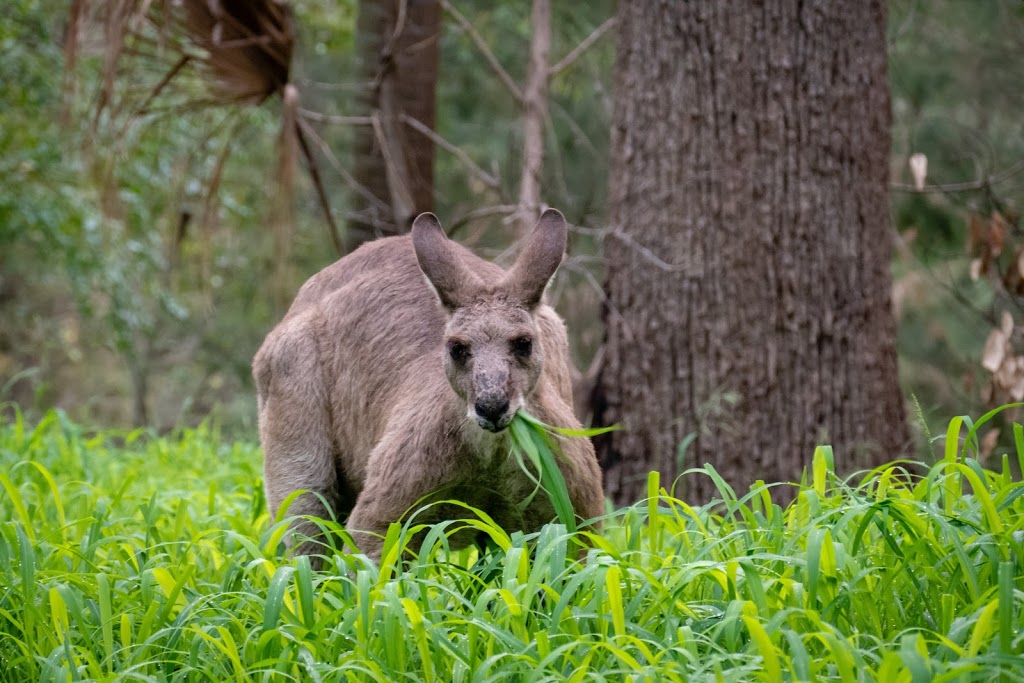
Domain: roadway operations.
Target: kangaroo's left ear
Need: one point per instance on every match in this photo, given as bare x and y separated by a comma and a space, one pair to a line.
542, 253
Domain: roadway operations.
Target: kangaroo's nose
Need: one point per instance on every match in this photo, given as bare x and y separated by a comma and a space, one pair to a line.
492, 408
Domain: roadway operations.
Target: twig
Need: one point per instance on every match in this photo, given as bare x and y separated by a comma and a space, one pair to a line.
577, 132
325, 85
389, 49
484, 50
501, 209
403, 206
333, 118
966, 186
423, 129
155, 92
612, 309
650, 256
575, 53
356, 186
318, 183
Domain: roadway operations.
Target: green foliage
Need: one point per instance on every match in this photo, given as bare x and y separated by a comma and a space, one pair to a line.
536, 446
124, 556
953, 72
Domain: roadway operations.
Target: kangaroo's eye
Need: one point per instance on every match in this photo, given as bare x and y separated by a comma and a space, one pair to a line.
522, 347
458, 351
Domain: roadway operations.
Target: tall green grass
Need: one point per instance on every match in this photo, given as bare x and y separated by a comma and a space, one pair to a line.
130, 557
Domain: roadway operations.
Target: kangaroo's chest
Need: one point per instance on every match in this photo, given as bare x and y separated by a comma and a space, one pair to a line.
493, 482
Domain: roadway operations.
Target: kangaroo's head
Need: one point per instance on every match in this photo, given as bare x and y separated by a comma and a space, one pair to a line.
492, 352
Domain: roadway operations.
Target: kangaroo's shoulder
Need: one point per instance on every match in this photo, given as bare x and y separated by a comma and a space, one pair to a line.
388, 262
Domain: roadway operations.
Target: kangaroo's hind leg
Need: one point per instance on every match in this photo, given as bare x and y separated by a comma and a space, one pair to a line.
294, 418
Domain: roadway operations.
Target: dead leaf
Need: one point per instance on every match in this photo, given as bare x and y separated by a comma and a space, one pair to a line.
988, 443
996, 234
975, 233
996, 347
975, 269
918, 169
1006, 324
1016, 388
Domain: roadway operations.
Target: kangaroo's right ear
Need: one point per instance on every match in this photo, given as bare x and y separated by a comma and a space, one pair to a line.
539, 259
439, 261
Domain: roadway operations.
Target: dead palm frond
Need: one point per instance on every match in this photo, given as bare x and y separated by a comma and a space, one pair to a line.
247, 46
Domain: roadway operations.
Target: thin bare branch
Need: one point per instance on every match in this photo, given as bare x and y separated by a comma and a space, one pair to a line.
535, 102
403, 207
477, 214
613, 310
484, 50
966, 186
168, 77
318, 183
389, 49
324, 85
485, 177
578, 134
651, 257
316, 116
356, 186
585, 45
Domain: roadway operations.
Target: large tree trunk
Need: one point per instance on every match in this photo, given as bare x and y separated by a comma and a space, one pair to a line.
392, 161
748, 280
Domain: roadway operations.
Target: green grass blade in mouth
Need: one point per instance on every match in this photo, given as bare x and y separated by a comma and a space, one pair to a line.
541, 450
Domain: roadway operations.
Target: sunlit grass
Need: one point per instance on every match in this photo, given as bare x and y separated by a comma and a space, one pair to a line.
130, 557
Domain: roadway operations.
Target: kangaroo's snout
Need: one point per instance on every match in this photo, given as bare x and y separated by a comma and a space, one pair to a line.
492, 412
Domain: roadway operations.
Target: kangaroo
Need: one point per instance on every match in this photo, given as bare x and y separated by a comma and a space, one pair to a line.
393, 376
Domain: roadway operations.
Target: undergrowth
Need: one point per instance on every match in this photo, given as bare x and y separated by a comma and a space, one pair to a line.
137, 558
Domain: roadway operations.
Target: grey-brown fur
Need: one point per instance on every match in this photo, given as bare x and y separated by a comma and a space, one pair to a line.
361, 401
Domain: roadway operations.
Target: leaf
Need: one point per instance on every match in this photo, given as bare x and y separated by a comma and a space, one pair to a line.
614, 588
918, 169
988, 443
275, 597
764, 646
983, 628
996, 233
995, 350
566, 431
975, 236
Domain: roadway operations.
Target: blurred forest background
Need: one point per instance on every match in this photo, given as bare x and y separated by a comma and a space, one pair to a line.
154, 227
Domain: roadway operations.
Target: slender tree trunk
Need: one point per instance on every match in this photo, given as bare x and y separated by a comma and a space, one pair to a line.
535, 106
748, 277
397, 47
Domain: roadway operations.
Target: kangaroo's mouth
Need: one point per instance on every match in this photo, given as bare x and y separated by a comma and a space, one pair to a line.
493, 425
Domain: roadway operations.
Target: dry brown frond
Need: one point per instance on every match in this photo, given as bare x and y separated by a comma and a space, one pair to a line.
247, 44
241, 49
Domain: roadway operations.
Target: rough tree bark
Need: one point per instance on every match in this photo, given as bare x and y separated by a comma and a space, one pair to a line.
748, 267
397, 45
